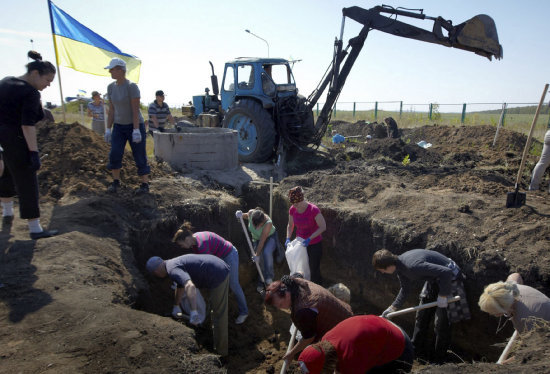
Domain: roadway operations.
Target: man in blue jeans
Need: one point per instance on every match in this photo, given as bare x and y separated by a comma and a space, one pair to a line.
127, 125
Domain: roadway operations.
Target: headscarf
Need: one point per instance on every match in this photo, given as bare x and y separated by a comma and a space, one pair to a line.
312, 359
295, 195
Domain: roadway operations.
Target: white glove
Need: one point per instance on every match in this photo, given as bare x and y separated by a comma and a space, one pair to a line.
174, 286
256, 259
239, 214
176, 312
136, 136
107, 135
441, 302
389, 310
194, 318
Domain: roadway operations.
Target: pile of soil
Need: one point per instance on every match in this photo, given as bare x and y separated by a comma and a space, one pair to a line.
81, 301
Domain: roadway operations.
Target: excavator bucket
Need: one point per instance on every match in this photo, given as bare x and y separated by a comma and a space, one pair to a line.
479, 35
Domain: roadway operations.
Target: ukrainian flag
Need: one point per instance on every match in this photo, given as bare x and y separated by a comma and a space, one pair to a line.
81, 49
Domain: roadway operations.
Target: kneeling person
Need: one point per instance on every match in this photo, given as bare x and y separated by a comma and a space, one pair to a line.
206, 272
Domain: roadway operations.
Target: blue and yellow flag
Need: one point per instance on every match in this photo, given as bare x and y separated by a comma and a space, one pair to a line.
81, 49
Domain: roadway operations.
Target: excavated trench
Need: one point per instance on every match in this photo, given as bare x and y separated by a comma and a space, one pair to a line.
349, 242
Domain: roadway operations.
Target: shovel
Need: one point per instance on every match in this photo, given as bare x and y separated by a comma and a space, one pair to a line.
419, 307
516, 199
252, 252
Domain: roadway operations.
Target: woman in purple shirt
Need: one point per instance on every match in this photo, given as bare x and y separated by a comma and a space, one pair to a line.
309, 223
206, 242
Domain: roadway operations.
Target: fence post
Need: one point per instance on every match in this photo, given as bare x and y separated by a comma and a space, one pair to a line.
317, 109
376, 110
463, 117
400, 109
430, 113
334, 110
354, 109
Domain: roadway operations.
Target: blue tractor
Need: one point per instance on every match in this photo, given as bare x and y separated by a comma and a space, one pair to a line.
260, 100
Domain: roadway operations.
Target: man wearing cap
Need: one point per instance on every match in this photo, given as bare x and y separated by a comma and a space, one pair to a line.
96, 111
159, 112
206, 272
127, 125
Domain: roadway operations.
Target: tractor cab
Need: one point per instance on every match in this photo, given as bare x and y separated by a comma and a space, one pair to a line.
262, 79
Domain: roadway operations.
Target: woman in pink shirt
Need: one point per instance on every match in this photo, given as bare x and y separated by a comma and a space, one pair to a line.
209, 243
309, 223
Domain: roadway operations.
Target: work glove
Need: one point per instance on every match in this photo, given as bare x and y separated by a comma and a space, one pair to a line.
256, 259
194, 318
306, 242
287, 242
35, 160
441, 302
107, 135
176, 312
136, 136
239, 214
174, 286
388, 311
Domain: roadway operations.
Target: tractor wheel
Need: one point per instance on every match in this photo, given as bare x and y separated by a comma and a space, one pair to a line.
256, 130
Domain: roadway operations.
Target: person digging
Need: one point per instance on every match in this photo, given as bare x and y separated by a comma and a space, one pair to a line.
442, 279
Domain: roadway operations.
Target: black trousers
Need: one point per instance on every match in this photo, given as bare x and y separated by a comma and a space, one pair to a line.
314, 254
18, 178
442, 327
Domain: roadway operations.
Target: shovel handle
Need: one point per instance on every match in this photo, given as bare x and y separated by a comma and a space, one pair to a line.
507, 349
419, 307
290, 345
251, 249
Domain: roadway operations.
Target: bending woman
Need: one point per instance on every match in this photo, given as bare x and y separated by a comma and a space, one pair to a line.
209, 243
313, 309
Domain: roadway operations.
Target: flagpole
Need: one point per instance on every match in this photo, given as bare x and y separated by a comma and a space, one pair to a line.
57, 62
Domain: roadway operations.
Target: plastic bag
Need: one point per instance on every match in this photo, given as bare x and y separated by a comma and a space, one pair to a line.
201, 306
297, 259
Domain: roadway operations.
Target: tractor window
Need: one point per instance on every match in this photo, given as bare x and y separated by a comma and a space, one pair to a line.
281, 74
245, 77
228, 83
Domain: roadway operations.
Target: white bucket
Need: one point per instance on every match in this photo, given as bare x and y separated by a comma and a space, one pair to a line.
297, 259
201, 306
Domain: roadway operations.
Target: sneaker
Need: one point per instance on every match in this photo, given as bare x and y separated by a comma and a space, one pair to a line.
144, 188
113, 187
43, 234
241, 318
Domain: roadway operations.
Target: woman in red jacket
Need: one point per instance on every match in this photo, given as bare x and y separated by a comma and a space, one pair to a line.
360, 344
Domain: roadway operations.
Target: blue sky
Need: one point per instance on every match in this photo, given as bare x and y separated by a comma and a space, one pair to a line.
176, 39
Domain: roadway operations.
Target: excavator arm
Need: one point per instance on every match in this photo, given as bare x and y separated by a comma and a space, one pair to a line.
478, 35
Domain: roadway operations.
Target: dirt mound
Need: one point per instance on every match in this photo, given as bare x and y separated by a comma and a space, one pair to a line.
76, 162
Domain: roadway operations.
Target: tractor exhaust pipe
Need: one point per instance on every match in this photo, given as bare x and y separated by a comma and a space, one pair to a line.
214, 80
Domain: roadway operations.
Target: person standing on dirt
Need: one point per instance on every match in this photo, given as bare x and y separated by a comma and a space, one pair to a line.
313, 309
442, 279
543, 163
20, 110
265, 241
205, 272
127, 125
159, 112
96, 110
515, 301
360, 344
206, 242
310, 224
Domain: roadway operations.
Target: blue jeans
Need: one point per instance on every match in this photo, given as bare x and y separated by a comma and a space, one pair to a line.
122, 134
232, 259
267, 256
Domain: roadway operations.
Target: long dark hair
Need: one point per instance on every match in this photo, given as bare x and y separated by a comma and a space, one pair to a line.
43, 67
